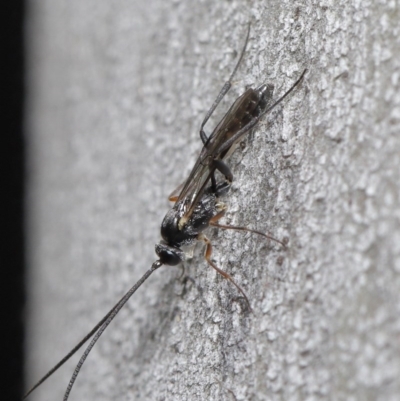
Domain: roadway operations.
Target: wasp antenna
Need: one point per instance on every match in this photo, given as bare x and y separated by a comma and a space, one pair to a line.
109, 319
70, 354
98, 329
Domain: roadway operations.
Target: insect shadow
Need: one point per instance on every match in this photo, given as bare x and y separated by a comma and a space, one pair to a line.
197, 201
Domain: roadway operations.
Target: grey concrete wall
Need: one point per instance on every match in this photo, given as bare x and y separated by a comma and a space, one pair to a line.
117, 93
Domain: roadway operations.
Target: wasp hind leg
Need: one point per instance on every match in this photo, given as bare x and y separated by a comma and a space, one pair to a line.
221, 188
203, 136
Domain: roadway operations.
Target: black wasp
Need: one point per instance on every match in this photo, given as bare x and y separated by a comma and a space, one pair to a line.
197, 203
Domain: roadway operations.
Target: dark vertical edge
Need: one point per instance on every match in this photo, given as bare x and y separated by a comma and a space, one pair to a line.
12, 269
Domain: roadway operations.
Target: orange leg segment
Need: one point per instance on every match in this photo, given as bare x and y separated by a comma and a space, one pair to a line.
224, 274
218, 216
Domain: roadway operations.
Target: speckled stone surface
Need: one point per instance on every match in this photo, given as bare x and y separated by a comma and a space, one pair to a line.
117, 92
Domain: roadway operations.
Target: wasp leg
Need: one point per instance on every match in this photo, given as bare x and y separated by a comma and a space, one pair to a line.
213, 183
203, 135
222, 93
174, 195
224, 274
183, 270
222, 189
223, 168
218, 216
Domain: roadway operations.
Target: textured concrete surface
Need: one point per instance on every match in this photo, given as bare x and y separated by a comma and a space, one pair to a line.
117, 93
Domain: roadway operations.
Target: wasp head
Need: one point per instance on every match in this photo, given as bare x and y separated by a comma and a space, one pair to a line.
169, 255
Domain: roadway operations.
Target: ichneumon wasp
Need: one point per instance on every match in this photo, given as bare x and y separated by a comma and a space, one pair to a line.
197, 202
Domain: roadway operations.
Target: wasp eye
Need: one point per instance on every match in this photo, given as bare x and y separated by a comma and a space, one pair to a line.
169, 255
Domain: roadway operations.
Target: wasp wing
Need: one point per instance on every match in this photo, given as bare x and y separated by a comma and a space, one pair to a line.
238, 116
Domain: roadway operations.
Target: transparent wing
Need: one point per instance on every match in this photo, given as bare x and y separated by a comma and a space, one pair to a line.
240, 114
